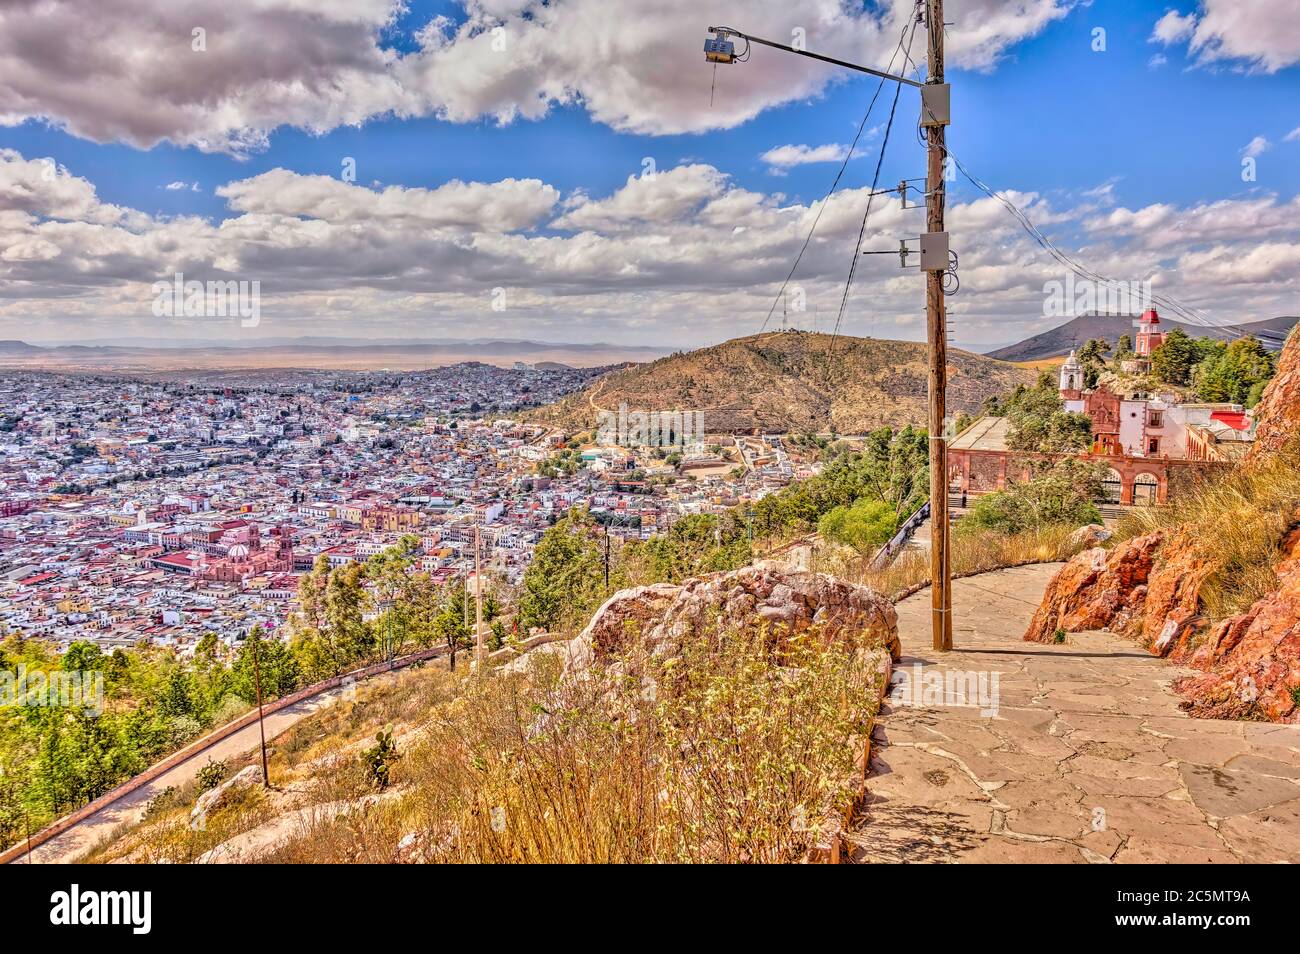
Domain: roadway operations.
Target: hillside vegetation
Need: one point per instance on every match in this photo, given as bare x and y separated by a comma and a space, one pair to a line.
791, 381
726, 750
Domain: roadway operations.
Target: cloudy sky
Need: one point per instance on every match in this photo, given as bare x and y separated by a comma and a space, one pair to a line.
574, 171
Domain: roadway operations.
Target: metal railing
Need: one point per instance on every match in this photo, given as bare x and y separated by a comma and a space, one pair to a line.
885, 555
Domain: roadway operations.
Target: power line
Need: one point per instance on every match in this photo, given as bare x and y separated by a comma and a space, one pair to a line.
1188, 313
871, 198
839, 175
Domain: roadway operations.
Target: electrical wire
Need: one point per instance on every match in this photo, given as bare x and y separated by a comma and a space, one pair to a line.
840, 174
871, 197
1189, 314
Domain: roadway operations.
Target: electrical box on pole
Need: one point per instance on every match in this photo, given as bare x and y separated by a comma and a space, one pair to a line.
934, 252
936, 104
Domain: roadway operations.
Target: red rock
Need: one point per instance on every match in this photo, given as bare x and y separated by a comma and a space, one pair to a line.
1171, 608
1096, 589
1254, 659
1149, 589
1278, 411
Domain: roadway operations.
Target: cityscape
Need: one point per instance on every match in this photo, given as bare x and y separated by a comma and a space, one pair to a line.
648, 432
165, 510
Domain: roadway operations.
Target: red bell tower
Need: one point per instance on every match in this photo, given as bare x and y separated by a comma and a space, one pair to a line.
1149, 335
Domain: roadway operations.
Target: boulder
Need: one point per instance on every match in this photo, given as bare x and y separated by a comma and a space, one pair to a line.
1253, 660
1278, 411
1171, 608
216, 798
1097, 590
1087, 537
766, 595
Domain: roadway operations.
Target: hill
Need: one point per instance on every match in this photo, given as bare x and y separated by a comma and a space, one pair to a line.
790, 381
1059, 341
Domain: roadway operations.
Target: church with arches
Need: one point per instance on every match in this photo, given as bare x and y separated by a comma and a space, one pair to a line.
1143, 439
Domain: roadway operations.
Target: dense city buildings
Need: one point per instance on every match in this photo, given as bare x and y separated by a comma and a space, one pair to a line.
168, 507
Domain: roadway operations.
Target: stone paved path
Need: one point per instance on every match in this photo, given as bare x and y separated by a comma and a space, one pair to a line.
1088, 759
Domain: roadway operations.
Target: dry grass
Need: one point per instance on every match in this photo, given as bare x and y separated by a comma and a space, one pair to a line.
1239, 518
714, 754
314, 763
972, 552
729, 750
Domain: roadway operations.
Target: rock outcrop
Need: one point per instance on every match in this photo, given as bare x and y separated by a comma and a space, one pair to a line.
216, 798
1097, 590
1252, 661
1278, 412
766, 595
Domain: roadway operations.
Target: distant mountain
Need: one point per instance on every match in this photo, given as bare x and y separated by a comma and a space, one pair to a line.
17, 347
790, 381
320, 353
1062, 339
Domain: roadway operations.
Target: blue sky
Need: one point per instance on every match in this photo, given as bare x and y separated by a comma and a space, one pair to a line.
1045, 114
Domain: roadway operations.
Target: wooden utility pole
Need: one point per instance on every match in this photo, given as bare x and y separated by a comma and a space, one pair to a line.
479, 647
936, 330
257, 684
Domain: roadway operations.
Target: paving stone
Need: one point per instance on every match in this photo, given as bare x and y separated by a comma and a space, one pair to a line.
1224, 793
1089, 759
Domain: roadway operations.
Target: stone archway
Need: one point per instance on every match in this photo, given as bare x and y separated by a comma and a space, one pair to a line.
1146, 489
1112, 487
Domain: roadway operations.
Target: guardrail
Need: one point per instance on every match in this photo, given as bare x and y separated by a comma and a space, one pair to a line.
201, 745
885, 555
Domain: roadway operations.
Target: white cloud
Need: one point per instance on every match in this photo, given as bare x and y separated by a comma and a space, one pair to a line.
786, 157
504, 206
1292, 136
685, 256
1259, 35
660, 197
1174, 27
1157, 60
1256, 147
633, 65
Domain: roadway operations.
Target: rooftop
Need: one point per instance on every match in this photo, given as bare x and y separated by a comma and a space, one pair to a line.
986, 434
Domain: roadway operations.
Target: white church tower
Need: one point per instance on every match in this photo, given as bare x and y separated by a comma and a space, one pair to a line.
1071, 378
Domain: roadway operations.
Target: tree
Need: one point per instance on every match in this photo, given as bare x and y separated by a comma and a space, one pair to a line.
1123, 349
1040, 423
453, 623
695, 544
1062, 494
390, 573
1092, 357
893, 466
1094, 350
346, 601
565, 581
865, 526
276, 667
1230, 372
1173, 361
